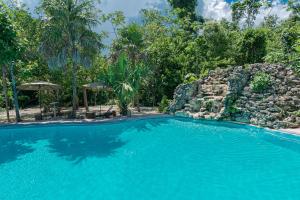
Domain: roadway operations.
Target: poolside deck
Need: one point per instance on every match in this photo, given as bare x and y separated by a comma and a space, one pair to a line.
29, 113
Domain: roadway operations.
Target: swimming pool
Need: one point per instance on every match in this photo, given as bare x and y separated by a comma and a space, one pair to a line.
159, 158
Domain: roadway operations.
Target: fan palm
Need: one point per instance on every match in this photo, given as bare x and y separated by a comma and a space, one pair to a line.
125, 79
68, 36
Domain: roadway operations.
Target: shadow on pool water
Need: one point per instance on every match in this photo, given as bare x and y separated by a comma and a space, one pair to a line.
11, 150
74, 145
77, 147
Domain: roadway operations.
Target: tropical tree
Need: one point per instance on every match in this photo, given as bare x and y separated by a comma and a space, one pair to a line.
290, 45
31, 65
294, 7
68, 38
252, 47
220, 45
10, 49
130, 40
125, 78
270, 21
246, 9
117, 20
185, 8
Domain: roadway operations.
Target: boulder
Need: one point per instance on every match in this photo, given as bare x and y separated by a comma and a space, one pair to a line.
227, 94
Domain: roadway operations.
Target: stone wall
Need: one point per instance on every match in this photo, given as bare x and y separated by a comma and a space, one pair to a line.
226, 95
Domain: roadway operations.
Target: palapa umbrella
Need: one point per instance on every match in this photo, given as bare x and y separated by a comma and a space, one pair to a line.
39, 86
97, 86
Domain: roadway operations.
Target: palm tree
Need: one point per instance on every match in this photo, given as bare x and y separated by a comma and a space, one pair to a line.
68, 37
130, 41
125, 79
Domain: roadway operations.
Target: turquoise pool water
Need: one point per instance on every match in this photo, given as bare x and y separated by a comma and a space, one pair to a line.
157, 159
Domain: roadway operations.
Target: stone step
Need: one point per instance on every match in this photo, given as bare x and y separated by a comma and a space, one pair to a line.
215, 98
220, 84
204, 94
216, 90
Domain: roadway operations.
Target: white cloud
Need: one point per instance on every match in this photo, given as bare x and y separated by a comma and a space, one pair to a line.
218, 9
214, 9
278, 9
31, 4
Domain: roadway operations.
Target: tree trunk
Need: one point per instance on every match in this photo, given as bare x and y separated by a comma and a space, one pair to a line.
5, 92
15, 94
137, 101
123, 109
74, 88
85, 100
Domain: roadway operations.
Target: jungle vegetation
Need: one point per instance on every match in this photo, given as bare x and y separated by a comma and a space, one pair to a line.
146, 60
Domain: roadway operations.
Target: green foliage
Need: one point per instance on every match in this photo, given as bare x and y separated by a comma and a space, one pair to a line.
125, 79
129, 40
9, 43
185, 8
233, 110
260, 82
209, 104
23, 100
246, 9
68, 33
190, 78
296, 113
283, 44
116, 18
290, 42
163, 105
270, 21
132, 34
189, 6
294, 6
166, 49
68, 38
253, 46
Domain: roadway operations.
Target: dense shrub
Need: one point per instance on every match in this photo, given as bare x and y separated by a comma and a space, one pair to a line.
163, 105
260, 82
209, 104
253, 46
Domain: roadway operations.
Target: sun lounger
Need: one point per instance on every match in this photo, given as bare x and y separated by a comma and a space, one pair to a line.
110, 112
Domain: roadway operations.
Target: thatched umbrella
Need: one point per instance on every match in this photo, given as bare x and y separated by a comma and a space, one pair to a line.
97, 86
39, 86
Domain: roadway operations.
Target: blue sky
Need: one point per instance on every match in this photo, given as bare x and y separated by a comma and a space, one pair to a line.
209, 8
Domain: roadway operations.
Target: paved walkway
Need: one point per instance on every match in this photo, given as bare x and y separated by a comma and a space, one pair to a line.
29, 113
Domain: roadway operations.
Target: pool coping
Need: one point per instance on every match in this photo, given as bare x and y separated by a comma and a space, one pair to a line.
83, 121
295, 132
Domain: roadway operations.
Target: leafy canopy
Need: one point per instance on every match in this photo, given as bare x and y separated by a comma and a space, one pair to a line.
9, 44
247, 10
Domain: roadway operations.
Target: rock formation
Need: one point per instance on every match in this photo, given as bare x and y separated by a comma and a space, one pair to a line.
225, 94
